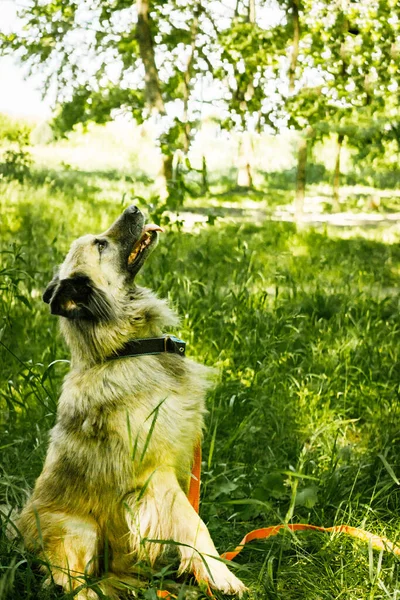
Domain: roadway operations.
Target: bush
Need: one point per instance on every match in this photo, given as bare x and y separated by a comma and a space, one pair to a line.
14, 136
13, 130
16, 164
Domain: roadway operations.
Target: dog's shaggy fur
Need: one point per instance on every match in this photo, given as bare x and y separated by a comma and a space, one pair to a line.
118, 465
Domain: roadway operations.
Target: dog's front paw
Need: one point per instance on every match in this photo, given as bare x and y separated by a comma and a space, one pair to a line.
217, 575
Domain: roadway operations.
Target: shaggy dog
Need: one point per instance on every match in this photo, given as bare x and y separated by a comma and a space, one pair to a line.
117, 470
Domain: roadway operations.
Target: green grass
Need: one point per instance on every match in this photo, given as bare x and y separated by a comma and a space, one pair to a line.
305, 419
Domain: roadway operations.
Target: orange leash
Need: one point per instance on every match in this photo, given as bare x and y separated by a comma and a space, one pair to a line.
194, 499
377, 542
194, 486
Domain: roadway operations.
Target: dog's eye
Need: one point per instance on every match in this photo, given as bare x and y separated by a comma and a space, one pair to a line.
101, 245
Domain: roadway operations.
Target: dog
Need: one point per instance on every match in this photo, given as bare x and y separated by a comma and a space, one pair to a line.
117, 470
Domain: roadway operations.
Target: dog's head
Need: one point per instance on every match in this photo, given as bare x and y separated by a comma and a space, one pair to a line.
98, 268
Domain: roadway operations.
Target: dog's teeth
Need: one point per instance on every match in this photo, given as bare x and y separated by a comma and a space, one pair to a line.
144, 241
133, 255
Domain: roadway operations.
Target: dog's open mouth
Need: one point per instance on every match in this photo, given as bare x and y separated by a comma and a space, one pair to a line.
143, 242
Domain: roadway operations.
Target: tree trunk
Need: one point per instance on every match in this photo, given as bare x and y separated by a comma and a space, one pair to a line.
244, 175
146, 46
302, 172
244, 178
164, 179
296, 39
168, 167
336, 174
204, 177
252, 11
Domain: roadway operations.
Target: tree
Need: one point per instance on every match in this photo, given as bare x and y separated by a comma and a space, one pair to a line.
249, 57
105, 57
352, 49
342, 72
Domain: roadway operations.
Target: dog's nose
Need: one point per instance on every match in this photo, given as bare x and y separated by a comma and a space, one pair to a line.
132, 211
129, 224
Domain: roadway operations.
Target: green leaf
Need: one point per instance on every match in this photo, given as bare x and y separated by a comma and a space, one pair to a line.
227, 487
24, 300
307, 497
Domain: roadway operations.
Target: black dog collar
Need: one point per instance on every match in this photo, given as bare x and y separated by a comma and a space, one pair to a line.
140, 346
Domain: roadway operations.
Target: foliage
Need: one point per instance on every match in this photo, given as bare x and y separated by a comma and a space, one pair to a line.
249, 64
16, 165
16, 160
351, 50
14, 130
95, 107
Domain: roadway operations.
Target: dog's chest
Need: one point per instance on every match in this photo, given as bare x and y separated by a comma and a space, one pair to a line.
111, 432
106, 445
88, 454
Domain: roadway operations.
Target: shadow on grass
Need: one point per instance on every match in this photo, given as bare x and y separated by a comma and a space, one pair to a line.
286, 179
84, 184
317, 173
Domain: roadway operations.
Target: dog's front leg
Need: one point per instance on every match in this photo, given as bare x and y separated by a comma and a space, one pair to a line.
67, 545
163, 512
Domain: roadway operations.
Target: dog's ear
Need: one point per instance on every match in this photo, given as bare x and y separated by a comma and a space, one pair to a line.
78, 298
70, 297
51, 287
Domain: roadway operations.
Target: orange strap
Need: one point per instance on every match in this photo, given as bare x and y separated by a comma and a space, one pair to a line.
194, 486
194, 499
378, 542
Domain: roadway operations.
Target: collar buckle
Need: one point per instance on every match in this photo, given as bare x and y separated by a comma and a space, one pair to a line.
174, 345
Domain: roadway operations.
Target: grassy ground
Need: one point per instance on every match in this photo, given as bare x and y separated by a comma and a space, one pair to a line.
304, 423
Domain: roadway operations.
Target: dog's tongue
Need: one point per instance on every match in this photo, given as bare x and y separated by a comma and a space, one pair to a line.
153, 227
